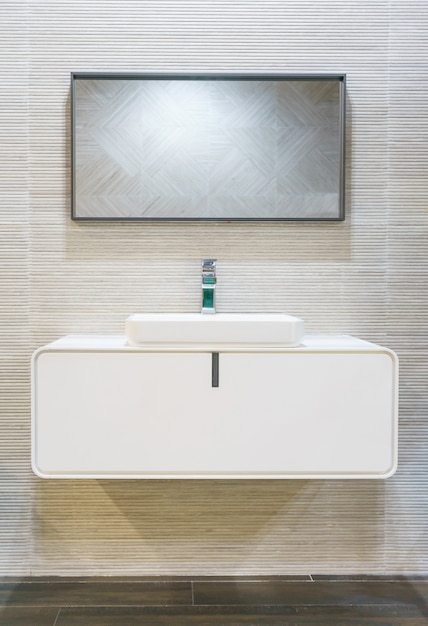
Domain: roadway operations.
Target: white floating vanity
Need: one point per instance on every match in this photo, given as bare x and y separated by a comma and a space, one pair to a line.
102, 408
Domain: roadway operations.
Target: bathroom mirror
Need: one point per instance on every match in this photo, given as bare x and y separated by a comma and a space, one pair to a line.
207, 147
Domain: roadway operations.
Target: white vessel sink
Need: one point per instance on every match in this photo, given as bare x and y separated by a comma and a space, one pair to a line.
220, 328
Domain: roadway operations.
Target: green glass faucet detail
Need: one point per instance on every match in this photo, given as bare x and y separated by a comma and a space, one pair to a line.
209, 280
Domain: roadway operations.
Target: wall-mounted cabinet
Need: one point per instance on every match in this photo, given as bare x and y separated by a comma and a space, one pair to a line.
102, 409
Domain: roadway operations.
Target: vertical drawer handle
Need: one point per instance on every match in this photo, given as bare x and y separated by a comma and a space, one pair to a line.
214, 369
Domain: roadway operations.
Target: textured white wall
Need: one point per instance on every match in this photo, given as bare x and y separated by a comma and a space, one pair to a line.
365, 277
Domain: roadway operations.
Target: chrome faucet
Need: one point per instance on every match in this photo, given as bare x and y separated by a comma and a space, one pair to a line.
209, 280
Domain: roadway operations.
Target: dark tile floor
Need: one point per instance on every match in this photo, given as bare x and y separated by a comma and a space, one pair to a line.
290, 601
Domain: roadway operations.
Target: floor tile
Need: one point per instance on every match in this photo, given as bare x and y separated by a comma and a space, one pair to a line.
189, 616
233, 579
161, 579
368, 578
312, 593
27, 616
95, 594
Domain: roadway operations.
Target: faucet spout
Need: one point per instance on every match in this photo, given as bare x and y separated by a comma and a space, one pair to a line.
209, 280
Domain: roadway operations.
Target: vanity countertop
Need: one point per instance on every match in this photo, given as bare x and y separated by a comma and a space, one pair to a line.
310, 343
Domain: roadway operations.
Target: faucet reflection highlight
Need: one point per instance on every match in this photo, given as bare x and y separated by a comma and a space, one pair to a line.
209, 280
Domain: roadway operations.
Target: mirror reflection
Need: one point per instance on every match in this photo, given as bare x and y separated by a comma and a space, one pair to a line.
174, 147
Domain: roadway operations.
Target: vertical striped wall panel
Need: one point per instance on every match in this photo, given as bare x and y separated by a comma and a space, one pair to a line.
407, 498
15, 502
364, 277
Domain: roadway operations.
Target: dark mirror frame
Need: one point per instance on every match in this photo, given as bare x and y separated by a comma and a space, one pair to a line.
78, 215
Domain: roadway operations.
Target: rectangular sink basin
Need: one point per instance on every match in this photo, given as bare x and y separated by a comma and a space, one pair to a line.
221, 328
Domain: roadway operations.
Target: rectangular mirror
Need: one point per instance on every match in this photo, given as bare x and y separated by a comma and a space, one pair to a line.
207, 147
